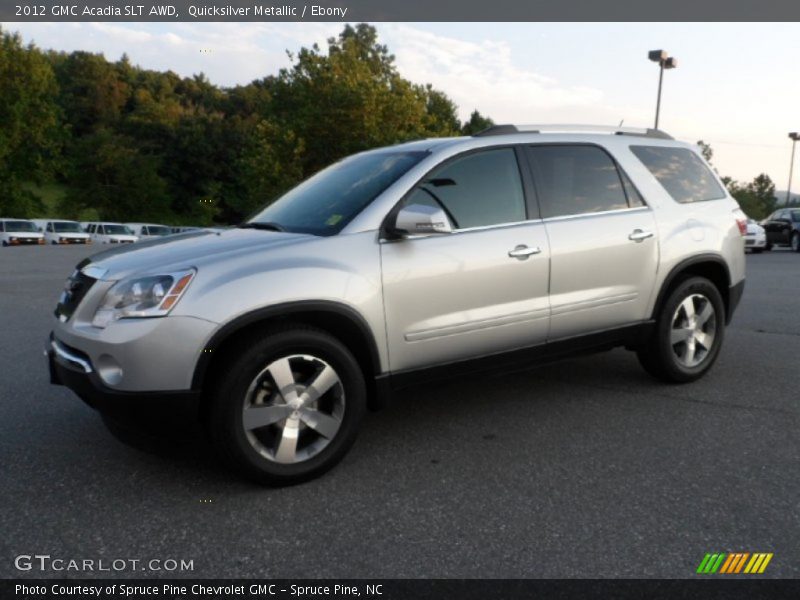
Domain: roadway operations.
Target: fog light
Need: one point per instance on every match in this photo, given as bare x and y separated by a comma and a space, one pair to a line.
108, 369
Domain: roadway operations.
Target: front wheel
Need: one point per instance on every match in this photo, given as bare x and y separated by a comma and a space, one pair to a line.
688, 333
796, 242
287, 407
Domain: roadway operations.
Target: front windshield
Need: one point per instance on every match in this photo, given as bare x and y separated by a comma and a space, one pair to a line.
158, 230
118, 230
67, 227
325, 203
21, 226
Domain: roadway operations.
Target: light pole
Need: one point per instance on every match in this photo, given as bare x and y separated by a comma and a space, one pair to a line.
664, 62
794, 136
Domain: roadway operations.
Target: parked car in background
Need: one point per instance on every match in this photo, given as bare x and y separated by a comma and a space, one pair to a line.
783, 228
62, 232
148, 231
110, 233
756, 237
15, 232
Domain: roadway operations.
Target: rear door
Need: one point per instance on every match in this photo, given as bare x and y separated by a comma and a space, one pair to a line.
603, 239
479, 290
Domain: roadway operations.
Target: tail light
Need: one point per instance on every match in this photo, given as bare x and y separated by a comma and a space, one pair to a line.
741, 221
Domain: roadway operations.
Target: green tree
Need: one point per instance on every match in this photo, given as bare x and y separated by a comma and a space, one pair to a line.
110, 174
477, 123
30, 131
705, 150
352, 99
756, 198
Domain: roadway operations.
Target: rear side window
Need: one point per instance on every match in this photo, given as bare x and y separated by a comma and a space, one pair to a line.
575, 180
681, 172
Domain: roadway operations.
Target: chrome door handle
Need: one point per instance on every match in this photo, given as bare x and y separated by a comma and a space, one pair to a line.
522, 251
638, 235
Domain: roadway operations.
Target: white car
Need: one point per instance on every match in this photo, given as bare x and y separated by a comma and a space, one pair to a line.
110, 233
756, 237
62, 232
15, 232
148, 231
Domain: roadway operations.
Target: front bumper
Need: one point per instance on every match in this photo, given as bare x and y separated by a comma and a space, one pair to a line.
735, 293
754, 241
71, 368
25, 241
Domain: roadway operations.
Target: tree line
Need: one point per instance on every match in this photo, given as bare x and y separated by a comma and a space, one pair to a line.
125, 143
756, 198
128, 143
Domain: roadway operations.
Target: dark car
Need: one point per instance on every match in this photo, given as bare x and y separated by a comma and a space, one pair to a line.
783, 228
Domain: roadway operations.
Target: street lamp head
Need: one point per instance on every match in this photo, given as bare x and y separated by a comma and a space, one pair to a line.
671, 63
657, 55
794, 136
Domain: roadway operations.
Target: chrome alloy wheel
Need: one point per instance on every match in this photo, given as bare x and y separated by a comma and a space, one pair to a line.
694, 327
293, 408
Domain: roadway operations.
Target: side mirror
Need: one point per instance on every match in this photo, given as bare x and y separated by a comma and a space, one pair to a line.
419, 219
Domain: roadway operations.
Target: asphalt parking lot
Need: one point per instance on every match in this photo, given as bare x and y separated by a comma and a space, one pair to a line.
585, 468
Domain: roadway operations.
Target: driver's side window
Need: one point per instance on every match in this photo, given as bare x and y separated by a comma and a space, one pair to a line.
479, 189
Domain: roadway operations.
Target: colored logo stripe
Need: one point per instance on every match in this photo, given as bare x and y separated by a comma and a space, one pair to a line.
734, 563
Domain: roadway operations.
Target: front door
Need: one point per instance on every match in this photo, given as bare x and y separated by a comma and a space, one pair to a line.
479, 290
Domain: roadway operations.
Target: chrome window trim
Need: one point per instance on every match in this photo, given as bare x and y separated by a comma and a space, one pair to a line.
596, 214
465, 230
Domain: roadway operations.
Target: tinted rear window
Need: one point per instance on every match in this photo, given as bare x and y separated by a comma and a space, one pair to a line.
575, 180
681, 172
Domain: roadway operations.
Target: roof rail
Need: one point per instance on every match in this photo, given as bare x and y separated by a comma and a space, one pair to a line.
638, 131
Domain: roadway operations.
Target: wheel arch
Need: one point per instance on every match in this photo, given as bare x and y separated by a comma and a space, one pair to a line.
339, 320
710, 266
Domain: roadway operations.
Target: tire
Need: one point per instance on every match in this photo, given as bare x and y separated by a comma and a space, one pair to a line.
756, 250
5, 243
768, 247
689, 358
262, 428
796, 242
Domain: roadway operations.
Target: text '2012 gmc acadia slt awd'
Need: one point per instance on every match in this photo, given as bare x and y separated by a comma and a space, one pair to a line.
402, 265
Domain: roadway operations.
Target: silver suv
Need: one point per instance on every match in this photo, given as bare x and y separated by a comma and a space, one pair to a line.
399, 266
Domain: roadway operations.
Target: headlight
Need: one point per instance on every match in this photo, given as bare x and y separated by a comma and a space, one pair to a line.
148, 296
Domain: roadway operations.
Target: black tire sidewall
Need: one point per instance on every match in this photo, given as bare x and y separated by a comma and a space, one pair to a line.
225, 423
665, 355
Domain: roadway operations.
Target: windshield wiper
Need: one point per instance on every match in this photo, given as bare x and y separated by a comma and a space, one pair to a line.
267, 226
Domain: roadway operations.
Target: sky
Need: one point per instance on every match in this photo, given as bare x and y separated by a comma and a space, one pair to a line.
736, 84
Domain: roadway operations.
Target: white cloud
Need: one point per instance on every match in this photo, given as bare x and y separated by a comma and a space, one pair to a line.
483, 75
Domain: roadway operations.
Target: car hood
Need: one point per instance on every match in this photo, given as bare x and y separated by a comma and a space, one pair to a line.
184, 250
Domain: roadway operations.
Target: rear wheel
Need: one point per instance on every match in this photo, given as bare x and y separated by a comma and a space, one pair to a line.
688, 335
288, 406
